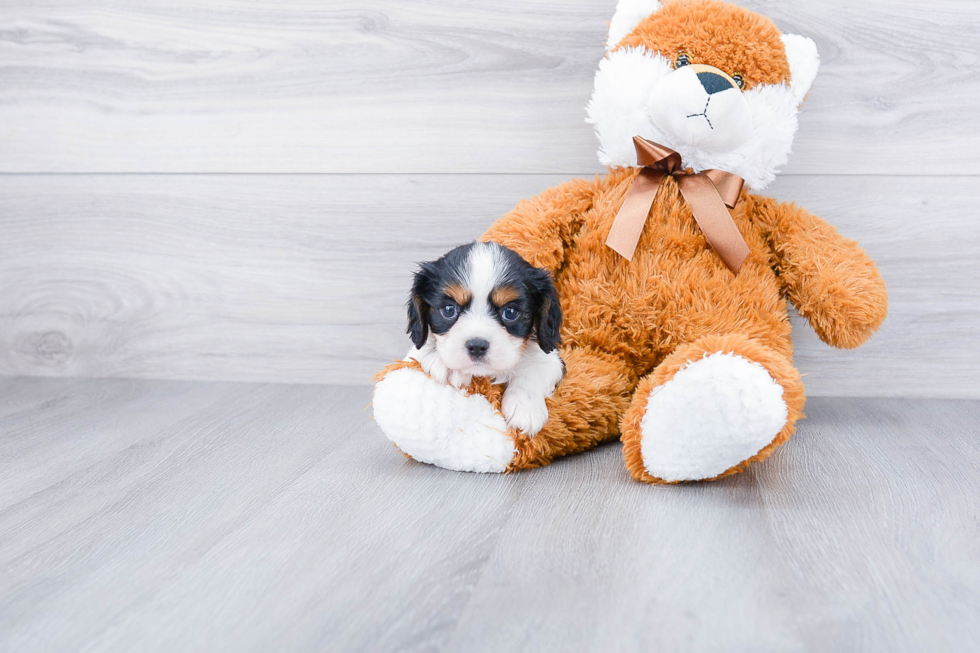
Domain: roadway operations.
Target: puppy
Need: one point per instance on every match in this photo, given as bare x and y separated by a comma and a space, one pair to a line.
490, 313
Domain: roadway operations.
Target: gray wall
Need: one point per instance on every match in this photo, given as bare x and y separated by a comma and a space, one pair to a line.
238, 189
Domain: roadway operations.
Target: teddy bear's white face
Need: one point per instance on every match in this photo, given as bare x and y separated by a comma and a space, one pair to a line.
702, 107
697, 109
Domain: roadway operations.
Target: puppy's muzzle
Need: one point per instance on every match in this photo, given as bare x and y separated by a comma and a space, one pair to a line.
477, 348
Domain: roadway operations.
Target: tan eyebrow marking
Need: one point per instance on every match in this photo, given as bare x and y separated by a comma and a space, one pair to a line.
504, 295
458, 293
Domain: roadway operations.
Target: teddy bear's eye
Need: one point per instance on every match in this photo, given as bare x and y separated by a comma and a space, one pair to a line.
682, 60
738, 79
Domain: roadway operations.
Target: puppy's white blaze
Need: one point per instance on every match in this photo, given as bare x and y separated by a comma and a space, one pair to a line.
483, 274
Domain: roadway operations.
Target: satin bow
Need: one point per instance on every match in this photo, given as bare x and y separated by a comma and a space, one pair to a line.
710, 193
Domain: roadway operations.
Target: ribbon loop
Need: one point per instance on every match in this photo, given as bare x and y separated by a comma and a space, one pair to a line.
710, 194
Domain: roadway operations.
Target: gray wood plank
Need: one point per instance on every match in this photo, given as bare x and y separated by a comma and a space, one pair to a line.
276, 517
61, 440
868, 512
303, 278
303, 460
430, 86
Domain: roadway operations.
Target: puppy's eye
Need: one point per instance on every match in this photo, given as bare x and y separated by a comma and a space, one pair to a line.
738, 79
683, 59
448, 311
510, 314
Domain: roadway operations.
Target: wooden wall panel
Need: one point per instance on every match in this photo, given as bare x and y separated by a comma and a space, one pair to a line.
302, 278
188, 271
435, 86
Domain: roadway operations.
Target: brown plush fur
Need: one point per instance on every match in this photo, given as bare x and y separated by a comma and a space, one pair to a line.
629, 326
717, 34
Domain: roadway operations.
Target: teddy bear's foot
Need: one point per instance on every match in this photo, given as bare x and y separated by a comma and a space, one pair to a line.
465, 430
441, 425
712, 413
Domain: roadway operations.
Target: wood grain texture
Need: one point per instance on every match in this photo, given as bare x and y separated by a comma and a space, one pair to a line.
434, 86
277, 517
304, 278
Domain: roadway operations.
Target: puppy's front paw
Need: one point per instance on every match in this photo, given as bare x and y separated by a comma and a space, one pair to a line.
459, 379
523, 410
431, 364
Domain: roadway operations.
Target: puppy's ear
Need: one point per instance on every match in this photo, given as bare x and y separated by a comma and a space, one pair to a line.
548, 320
418, 309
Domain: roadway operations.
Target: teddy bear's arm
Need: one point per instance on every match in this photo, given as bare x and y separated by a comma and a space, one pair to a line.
832, 282
540, 228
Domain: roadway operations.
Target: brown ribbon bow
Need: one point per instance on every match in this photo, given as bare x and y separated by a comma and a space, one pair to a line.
708, 192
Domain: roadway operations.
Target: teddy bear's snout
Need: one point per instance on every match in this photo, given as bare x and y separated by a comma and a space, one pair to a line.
713, 82
701, 106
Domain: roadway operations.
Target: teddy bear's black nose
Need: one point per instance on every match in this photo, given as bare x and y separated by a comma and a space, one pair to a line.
713, 82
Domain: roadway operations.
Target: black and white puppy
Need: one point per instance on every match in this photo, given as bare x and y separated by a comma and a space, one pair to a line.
490, 313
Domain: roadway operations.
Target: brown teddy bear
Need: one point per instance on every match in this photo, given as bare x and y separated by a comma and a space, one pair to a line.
676, 337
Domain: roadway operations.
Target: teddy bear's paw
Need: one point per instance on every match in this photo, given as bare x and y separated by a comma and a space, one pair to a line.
713, 414
440, 425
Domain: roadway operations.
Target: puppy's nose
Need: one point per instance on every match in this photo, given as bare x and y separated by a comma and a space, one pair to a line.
713, 82
477, 347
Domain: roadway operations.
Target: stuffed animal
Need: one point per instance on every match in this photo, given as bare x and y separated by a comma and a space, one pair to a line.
672, 276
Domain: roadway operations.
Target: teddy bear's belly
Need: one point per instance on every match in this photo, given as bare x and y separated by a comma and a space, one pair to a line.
675, 290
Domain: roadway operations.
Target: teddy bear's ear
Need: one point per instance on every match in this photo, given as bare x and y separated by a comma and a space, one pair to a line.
628, 15
803, 64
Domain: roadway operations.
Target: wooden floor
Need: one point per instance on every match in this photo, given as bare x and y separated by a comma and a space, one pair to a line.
173, 516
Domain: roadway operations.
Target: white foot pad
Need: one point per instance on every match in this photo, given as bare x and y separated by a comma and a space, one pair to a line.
438, 424
715, 413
